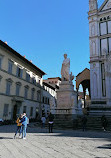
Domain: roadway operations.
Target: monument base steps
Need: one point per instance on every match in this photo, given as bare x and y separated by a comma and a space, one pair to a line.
64, 121
75, 122
99, 109
93, 123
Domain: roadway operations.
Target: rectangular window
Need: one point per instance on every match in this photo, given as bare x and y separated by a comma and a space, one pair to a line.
26, 93
10, 65
43, 99
48, 100
33, 80
32, 95
103, 28
109, 26
17, 90
27, 77
8, 85
103, 80
31, 111
24, 109
19, 72
38, 96
5, 112
104, 46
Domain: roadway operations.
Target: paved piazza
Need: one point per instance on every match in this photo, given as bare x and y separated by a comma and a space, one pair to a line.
60, 144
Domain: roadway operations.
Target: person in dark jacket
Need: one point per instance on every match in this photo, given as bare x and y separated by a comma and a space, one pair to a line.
104, 122
84, 121
24, 122
51, 118
19, 126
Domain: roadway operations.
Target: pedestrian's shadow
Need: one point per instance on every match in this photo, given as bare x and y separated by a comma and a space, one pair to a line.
6, 138
106, 146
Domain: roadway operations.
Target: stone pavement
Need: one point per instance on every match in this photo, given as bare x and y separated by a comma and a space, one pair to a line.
60, 144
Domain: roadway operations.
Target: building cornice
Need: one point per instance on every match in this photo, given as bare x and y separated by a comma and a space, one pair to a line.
93, 21
101, 37
48, 85
105, 36
93, 12
93, 37
4, 45
104, 12
97, 59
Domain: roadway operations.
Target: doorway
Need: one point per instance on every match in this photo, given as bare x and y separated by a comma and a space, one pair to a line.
15, 112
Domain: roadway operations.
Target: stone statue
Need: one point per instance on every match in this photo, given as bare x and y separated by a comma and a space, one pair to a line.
65, 70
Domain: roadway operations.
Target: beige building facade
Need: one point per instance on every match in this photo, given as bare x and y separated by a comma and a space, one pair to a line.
48, 98
21, 85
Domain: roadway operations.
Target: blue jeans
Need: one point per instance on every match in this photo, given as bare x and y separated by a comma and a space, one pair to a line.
24, 131
43, 125
19, 129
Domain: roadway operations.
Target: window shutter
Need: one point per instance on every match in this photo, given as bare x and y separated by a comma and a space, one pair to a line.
17, 71
8, 88
10, 67
5, 113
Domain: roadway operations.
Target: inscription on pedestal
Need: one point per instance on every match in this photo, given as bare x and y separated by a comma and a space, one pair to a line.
63, 100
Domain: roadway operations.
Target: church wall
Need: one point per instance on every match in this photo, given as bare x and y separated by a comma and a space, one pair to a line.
100, 46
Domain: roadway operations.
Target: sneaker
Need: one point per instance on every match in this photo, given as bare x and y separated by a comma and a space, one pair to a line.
24, 138
20, 137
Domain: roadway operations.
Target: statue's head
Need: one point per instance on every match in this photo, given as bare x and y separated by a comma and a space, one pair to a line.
65, 56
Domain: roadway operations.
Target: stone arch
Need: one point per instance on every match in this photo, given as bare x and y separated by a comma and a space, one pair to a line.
83, 78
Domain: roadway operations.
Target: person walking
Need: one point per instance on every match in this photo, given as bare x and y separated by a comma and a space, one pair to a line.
51, 118
104, 122
19, 126
84, 121
43, 119
24, 122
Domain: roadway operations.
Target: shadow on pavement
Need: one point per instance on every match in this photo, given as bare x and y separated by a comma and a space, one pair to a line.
106, 146
6, 138
59, 133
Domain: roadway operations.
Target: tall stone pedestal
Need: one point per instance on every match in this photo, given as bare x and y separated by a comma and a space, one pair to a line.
65, 112
66, 96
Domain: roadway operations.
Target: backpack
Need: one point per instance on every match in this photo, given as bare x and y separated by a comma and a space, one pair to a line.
27, 120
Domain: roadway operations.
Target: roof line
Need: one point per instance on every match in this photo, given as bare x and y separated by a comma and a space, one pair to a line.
82, 71
20, 56
48, 85
102, 5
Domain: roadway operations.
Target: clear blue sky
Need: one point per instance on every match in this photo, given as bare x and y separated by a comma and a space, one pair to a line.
44, 30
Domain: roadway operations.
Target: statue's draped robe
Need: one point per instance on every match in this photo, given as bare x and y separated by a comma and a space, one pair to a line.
65, 71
